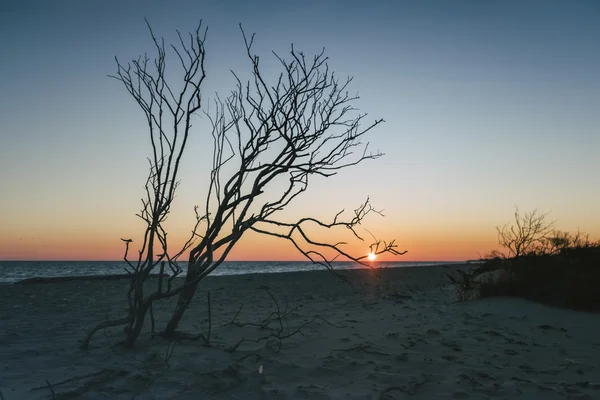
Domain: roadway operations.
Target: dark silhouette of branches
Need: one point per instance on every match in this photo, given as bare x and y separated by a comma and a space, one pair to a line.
168, 115
281, 329
270, 137
301, 125
315, 254
528, 233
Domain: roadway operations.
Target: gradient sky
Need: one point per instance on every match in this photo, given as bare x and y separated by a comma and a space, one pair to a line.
488, 105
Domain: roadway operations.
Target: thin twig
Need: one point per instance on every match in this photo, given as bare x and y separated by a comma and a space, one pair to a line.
51, 389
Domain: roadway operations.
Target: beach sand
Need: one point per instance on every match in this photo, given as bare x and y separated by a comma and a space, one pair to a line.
401, 336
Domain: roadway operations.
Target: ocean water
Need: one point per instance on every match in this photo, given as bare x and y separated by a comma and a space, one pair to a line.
12, 271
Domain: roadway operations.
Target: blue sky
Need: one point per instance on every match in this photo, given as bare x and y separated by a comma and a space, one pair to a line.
487, 105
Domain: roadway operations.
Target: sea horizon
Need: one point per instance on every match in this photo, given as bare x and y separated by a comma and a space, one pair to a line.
15, 270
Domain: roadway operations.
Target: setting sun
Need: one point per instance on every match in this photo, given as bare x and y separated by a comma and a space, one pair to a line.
372, 256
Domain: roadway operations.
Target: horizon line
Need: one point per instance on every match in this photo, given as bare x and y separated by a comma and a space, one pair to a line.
281, 261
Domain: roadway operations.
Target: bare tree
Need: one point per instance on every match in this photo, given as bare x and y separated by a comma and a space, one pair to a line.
269, 138
168, 113
527, 235
559, 241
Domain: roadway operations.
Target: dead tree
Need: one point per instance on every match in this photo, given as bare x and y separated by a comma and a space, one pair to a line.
301, 125
168, 113
269, 138
527, 235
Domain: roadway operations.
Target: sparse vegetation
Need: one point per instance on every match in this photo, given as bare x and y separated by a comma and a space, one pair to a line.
540, 264
465, 284
527, 235
569, 278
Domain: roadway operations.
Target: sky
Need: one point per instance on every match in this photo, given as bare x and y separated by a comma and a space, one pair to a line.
488, 105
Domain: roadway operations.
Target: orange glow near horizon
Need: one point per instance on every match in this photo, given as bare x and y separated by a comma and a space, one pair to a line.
98, 238
253, 247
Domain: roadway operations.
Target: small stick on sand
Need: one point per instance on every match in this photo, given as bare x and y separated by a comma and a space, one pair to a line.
51, 390
75, 378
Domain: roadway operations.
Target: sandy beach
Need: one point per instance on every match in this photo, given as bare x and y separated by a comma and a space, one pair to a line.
401, 336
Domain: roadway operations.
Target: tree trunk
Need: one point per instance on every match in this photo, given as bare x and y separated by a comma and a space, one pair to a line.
185, 297
135, 327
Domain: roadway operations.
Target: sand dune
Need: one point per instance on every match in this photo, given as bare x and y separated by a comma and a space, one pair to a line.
401, 336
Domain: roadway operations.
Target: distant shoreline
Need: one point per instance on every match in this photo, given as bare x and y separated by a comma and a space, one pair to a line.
55, 271
112, 277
